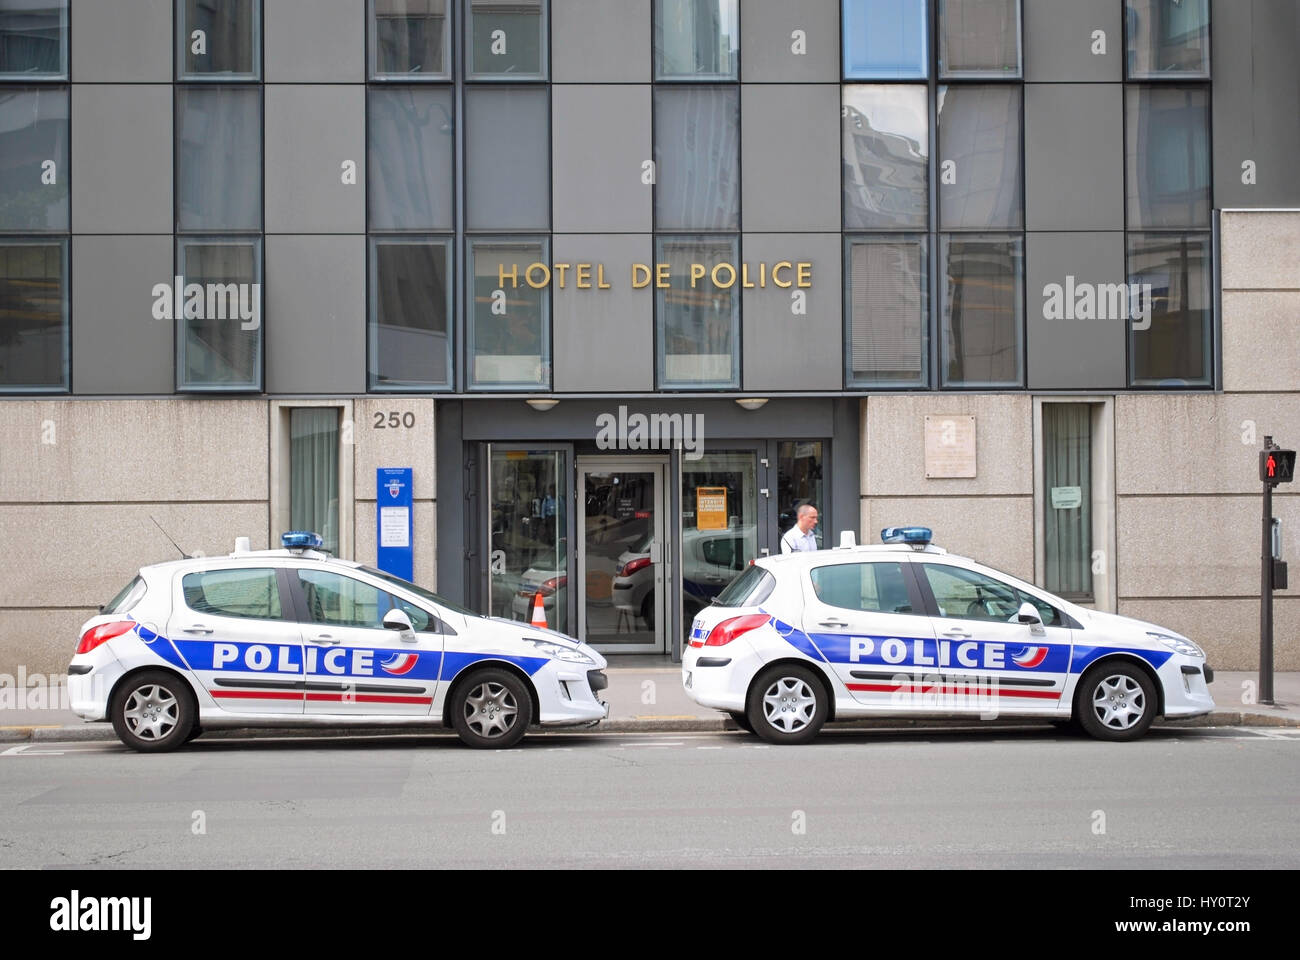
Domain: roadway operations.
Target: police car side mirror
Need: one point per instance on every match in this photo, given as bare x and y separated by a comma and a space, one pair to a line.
396, 619
1029, 614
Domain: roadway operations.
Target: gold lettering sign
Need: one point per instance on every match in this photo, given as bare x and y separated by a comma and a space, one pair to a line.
783, 274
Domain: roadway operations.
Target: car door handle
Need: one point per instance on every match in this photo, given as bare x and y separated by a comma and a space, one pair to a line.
832, 623
957, 634
196, 628
324, 638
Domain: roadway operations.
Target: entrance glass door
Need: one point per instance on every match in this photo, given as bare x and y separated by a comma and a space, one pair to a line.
621, 557
720, 525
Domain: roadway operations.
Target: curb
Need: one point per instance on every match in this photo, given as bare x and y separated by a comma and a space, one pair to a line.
91, 732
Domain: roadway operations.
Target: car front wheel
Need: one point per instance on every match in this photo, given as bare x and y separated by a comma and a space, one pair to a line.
787, 704
1116, 701
492, 709
153, 712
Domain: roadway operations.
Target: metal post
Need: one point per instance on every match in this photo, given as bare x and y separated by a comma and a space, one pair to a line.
1266, 595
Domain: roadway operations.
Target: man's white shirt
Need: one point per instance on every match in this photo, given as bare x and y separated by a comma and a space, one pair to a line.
796, 541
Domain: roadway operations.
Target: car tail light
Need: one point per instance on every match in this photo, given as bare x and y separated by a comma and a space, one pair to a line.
632, 566
729, 630
105, 631
548, 587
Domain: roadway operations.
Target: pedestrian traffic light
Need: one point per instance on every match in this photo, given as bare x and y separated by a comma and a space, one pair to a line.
1277, 466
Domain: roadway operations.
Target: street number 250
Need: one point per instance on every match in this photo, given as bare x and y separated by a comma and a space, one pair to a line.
393, 420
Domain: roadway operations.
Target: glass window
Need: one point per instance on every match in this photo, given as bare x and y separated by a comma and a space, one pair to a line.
869, 587
979, 38
979, 134
697, 158
888, 310
34, 159
507, 158
966, 595
340, 601
33, 39
410, 40
219, 158
886, 162
697, 40
698, 321
752, 587
799, 470
127, 597
314, 472
1170, 310
510, 331
982, 289
219, 39
1067, 506
528, 496
409, 160
717, 544
1168, 38
33, 315
1167, 152
506, 39
410, 302
245, 593
219, 338
886, 39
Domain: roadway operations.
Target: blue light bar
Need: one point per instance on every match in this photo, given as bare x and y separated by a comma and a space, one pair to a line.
301, 540
918, 536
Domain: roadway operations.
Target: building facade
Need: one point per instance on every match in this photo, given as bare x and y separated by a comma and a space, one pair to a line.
626, 282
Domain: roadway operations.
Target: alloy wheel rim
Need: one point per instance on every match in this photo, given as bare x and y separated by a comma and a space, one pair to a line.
1119, 702
152, 712
789, 704
491, 710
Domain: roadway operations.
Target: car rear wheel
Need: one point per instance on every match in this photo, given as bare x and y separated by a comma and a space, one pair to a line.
492, 709
1116, 701
153, 712
648, 609
787, 704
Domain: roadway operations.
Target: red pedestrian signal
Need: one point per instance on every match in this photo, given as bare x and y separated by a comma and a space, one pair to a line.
1277, 466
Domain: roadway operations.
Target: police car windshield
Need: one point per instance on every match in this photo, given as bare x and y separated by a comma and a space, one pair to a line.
749, 589
421, 592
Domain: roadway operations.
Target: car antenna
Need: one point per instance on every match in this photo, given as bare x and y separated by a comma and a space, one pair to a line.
184, 555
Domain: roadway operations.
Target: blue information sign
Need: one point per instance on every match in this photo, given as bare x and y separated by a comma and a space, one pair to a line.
393, 518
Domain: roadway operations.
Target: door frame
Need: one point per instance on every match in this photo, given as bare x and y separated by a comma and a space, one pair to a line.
663, 576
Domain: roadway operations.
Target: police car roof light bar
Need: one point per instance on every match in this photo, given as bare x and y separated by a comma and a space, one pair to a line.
301, 540
918, 537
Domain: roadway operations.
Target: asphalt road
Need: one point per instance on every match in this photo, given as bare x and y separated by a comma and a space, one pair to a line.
1031, 797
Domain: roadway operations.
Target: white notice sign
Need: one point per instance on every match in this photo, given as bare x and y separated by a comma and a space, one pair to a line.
949, 447
394, 526
1066, 498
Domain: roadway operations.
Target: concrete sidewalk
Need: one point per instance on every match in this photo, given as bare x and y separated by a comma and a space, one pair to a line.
646, 696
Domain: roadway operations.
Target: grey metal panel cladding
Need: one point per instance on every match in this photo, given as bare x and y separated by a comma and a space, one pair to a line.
1256, 88
1074, 156
122, 155
603, 338
601, 41
766, 41
782, 350
125, 41
507, 158
316, 314
314, 41
117, 345
601, 137
790, 145
1074, 353
305, 192
1058, 40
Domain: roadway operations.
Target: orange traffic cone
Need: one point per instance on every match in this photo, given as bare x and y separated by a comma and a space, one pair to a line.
539, 612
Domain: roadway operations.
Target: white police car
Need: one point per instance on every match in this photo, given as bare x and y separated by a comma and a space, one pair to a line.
296, 637
907, 629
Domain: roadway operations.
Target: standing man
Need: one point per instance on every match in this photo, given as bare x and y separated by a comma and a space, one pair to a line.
800, 536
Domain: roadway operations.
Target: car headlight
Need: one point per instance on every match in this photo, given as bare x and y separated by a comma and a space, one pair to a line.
1180, 644
558, 651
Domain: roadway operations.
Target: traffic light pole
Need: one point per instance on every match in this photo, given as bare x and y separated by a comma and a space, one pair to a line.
1266, 596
